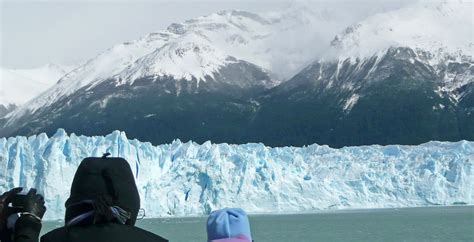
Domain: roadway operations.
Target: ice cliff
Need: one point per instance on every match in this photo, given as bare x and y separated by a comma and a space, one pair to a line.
182, 179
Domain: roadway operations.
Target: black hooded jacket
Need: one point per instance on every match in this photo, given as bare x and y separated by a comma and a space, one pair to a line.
101, 183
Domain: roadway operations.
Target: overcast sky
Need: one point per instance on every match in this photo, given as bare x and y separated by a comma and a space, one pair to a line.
34, 33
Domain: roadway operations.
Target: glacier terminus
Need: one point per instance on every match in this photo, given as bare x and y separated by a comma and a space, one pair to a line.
189, 179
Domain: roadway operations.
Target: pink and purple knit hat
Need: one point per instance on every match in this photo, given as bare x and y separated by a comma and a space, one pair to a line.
228, 225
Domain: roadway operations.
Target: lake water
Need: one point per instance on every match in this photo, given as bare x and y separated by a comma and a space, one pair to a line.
407, 224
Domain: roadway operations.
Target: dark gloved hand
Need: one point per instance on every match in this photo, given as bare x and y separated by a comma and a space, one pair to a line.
5, 199
34, 205
5, 210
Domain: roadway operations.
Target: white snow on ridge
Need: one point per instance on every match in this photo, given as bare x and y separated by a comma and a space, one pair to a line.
100, 68
280, 42
17, 86
191, 56
440, 34
183, 179
273, 41
198, 47
442, 29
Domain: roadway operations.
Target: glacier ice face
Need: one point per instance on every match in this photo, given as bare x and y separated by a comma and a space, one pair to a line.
183, 179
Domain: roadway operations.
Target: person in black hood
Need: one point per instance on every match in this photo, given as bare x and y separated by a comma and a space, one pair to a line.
103, 205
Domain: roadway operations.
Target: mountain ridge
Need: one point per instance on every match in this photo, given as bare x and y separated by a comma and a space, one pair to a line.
203, 64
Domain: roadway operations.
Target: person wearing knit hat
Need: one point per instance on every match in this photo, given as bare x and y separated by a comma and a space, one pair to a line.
228, 225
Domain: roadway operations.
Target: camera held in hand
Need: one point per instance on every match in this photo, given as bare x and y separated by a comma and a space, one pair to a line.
18, 201
29, 204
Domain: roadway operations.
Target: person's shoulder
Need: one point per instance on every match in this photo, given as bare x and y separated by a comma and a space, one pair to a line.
99, 232
53, 235
149, 236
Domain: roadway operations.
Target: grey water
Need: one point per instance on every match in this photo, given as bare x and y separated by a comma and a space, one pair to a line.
406, 224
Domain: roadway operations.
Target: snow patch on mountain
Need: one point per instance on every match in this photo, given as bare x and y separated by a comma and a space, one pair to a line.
350, 102
184, 179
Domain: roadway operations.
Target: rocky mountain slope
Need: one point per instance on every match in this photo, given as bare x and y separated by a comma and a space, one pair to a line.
391, 78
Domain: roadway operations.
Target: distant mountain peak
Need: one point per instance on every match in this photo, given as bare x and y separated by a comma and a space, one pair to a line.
441, 28
190, 57
21, 85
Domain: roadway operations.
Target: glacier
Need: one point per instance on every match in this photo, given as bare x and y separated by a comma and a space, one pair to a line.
187, 179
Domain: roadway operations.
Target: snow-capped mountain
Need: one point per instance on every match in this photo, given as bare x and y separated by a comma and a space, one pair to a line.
440, 35
392, 78
221, 77
392, 98
17, 86
21, 85
186, 179
442, 29
198, 47
191, 56
196, 50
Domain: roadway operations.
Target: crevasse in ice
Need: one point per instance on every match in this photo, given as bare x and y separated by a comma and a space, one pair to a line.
185, 179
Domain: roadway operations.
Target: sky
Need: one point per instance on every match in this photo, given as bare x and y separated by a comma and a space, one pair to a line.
34, 33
